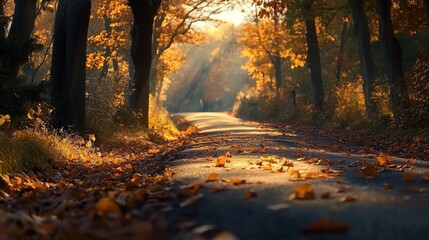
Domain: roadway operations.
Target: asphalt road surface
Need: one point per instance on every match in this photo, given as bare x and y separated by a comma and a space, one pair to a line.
277, 182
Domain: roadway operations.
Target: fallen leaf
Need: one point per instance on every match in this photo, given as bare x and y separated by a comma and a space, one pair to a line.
192, 200
325, 224
325, 195
414, 189
408, 177
107, 206
425, 177
221, 161
388, 186
250, 194
228, 154
236, 181
213, 177
369, 171
277, 207
384, 160
204, 228
299, 153
225, 236
348, 199
303, 192
311, 175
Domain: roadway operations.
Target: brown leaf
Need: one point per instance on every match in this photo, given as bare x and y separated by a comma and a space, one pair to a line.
250, 194
228, 154
325, 195
213, 177
107, 207
388, 186
348, 199
303, 192
299, 153
425, 177
221, 161
408, 177
325, 224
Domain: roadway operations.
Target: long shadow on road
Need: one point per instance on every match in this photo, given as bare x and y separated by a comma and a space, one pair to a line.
268, 165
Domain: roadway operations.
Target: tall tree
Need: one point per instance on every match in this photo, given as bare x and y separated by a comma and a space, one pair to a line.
141, 52
68, 67
313, 57
17, 46
363, 37
392, 54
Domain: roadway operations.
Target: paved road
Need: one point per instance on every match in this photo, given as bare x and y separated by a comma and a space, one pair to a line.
391, 202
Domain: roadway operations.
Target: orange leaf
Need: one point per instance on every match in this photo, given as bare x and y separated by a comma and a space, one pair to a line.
220, 162
236, 181
228, 154
348, 199
213, 177
325, 224
107, 206
303, 192
384, 160
250, 194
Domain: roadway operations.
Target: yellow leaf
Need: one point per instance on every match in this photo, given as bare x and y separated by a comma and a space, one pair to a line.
2, 121
30, 114
107, 206
213, 177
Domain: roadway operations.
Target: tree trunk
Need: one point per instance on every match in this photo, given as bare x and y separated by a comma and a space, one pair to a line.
279, 73
427, 9
313, 60
367, 63
108, 53
18, 39
341, 51
141, 52
392, 54
68, 68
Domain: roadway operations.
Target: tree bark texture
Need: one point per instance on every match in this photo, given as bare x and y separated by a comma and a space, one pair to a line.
144, 12
392, 54
279, 72
16, 47
68, 68
427, 9
344, 31
313, 60
363, 37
